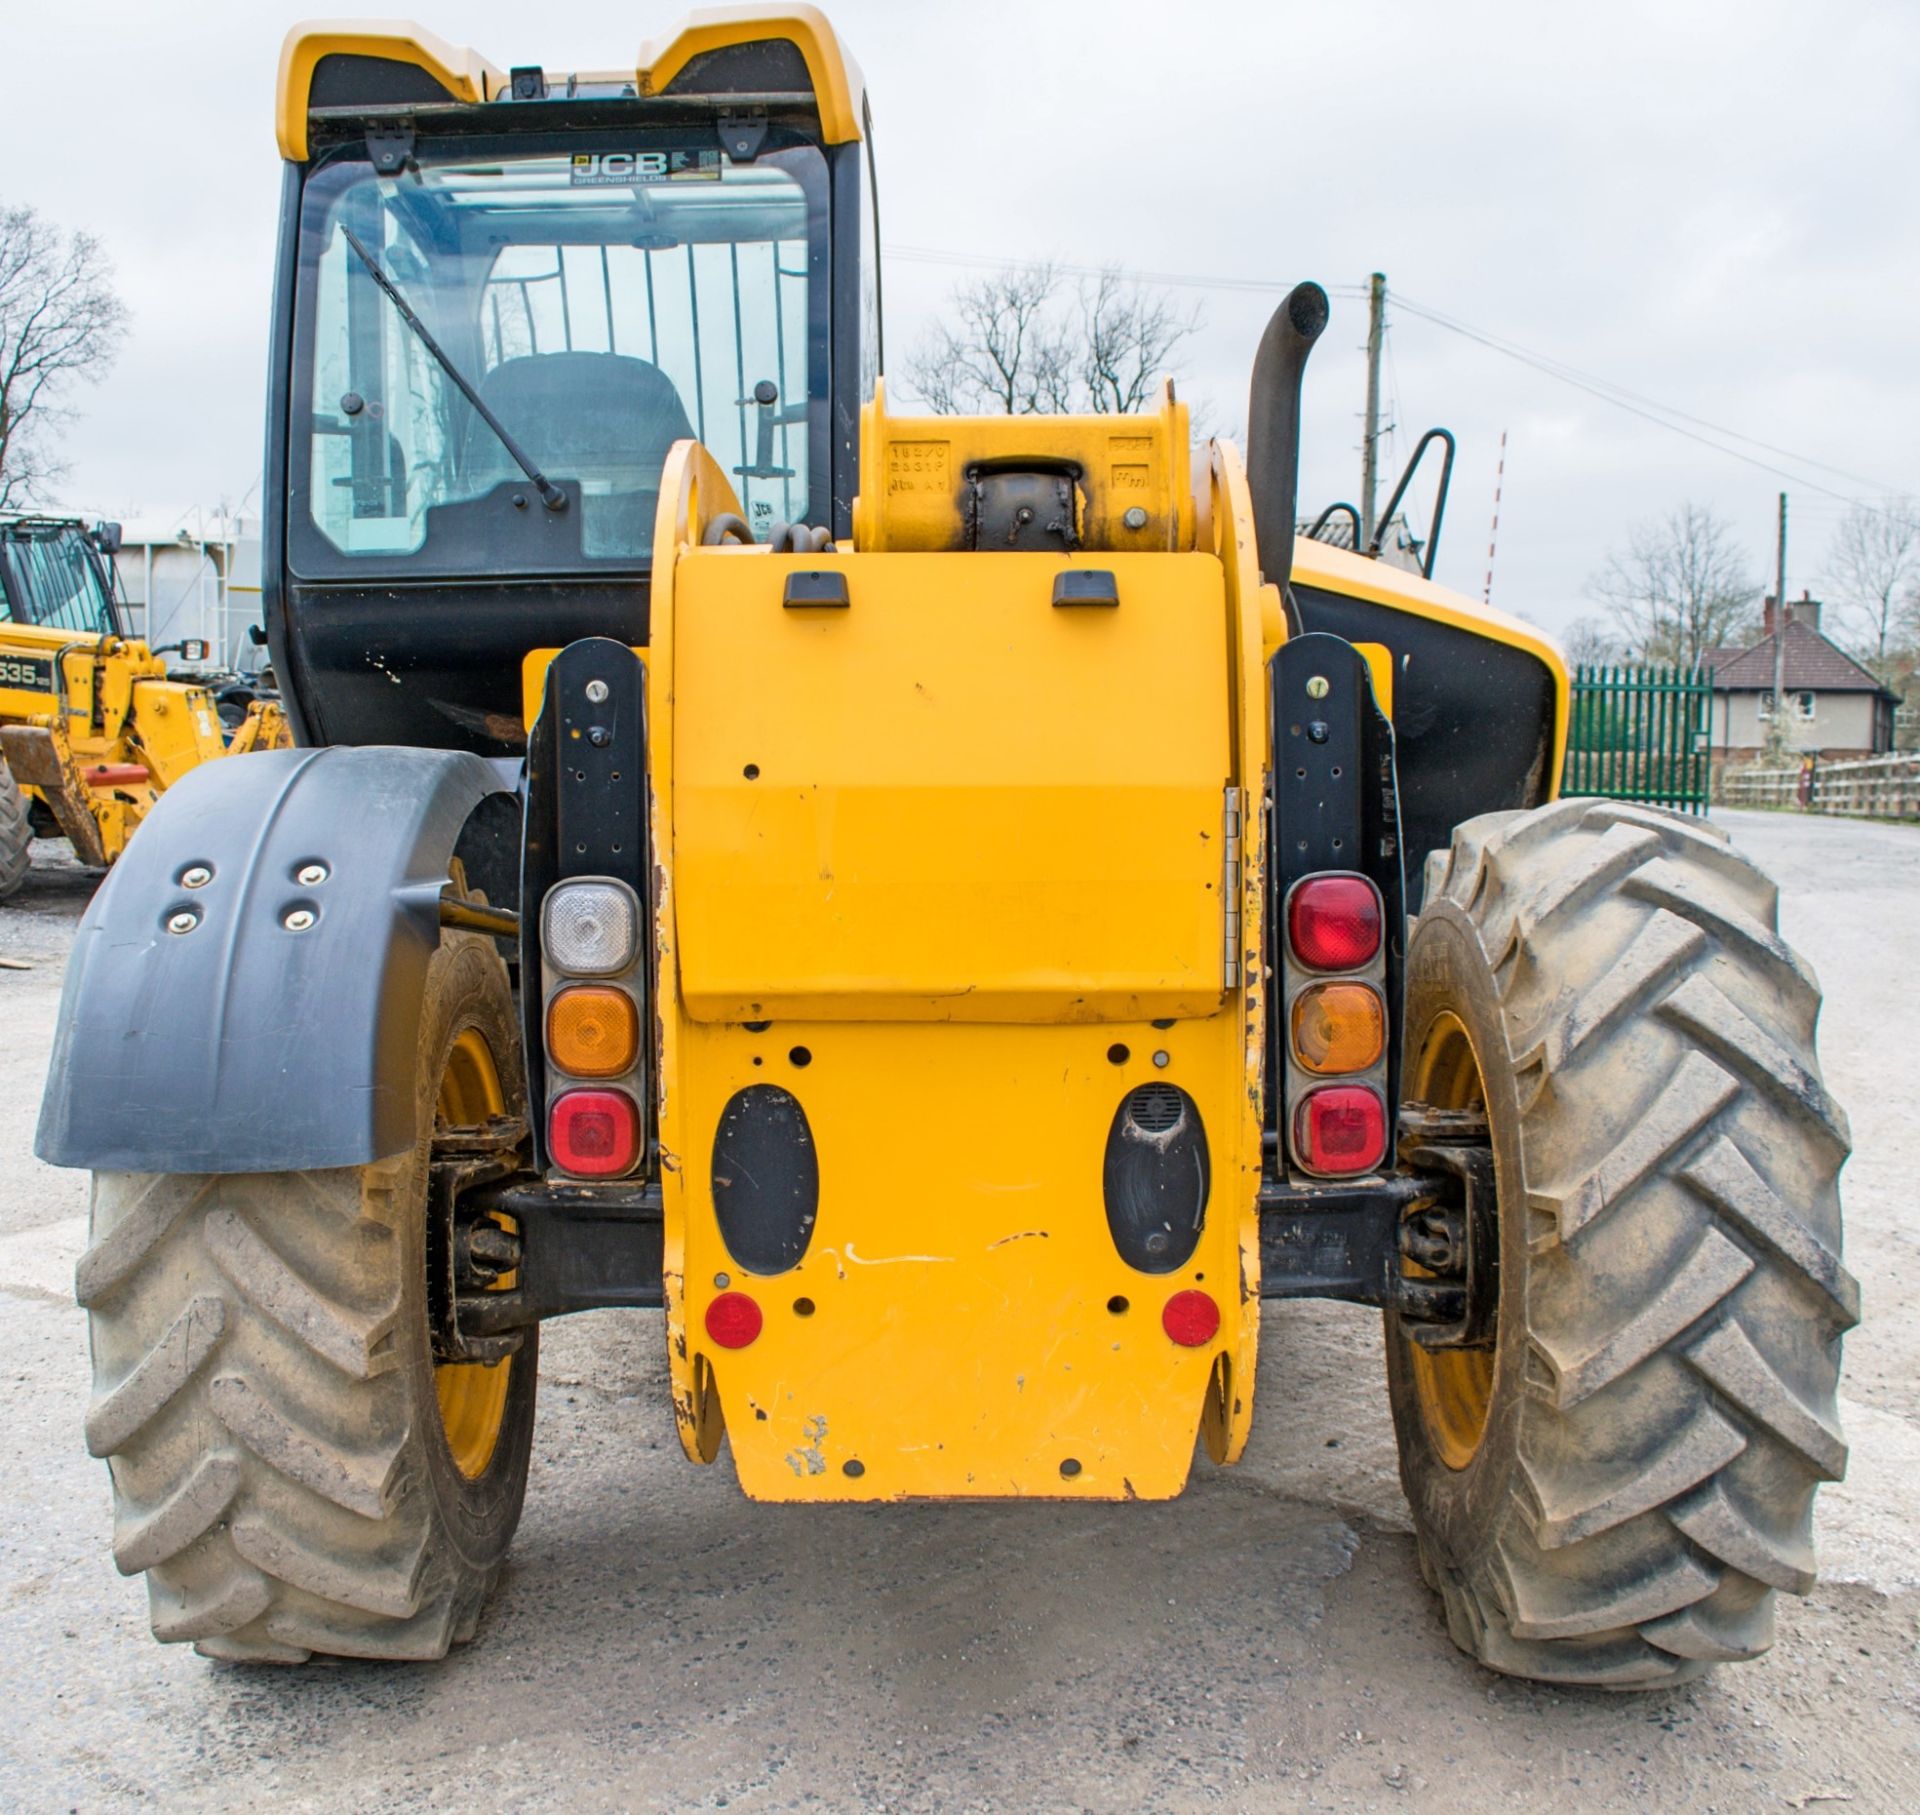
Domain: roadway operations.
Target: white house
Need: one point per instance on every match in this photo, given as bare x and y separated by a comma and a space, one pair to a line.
1833, 705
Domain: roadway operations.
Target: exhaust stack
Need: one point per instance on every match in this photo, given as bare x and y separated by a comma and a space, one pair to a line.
1273, 425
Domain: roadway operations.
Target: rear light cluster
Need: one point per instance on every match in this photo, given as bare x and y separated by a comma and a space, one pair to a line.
595, 981
1336, 1020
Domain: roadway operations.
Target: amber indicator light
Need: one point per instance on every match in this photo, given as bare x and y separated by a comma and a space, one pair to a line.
593, 1031
1339, 1027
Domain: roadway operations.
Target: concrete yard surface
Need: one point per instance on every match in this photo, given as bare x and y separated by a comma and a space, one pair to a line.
1264, 1642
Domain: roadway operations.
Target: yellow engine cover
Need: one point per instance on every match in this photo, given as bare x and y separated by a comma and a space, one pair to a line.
951, 800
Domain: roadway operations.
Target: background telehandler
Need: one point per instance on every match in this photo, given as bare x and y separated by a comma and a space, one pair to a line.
92, 727
958, 912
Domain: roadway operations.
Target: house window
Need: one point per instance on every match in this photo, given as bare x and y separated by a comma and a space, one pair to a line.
1800, 707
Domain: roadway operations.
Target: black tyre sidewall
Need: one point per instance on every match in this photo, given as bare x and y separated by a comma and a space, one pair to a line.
1460, 1509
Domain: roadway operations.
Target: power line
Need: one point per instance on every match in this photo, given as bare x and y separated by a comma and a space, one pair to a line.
1648, 409
1180, 280
1619, 393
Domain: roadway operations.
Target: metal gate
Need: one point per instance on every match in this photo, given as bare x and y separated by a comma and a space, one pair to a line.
1640, 733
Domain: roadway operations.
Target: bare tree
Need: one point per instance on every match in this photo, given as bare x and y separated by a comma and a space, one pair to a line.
60, 323
1589, 641
1131, 337
1680, 587
1020, 342
1875, 573
1002, 351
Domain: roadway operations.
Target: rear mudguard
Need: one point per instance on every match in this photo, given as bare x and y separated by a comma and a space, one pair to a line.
244, 1043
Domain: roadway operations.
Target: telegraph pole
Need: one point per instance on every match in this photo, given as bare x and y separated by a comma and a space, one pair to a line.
1777, 730
1370, 443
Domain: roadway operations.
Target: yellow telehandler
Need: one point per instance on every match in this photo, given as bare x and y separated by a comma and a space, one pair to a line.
92, 730
957, 912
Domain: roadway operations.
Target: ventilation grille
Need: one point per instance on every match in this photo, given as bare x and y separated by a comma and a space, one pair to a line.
1156, 1108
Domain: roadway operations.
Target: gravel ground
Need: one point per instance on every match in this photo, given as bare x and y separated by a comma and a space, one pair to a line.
1263, 1642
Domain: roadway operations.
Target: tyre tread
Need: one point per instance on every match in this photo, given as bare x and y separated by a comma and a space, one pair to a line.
266, 1427
16, 834
1689, 1295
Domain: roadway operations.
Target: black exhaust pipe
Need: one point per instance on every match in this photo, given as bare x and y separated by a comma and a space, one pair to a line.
1273, 426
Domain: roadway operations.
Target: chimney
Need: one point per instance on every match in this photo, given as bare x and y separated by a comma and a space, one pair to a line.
1767, 614
1804, 610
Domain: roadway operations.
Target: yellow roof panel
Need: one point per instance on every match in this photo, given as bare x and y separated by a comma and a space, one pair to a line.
467, 76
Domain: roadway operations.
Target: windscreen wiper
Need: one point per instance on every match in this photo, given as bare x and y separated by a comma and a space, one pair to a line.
550, 494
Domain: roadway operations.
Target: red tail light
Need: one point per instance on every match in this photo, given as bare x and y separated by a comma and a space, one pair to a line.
1341, 1128
594, 1133
733, 1320
1191, 1319
1333, 922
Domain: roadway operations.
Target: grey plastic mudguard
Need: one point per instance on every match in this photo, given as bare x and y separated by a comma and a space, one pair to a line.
243, 1045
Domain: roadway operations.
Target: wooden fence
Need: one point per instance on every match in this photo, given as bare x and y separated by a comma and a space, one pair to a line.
1872, 787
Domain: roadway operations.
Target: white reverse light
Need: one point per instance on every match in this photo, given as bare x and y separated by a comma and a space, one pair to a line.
589, 929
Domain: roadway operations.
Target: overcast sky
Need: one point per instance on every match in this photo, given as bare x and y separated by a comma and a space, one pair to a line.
1710, 204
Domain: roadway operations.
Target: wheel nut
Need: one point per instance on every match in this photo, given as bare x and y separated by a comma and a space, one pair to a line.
196, 878
299, 920
310, 873
183, 922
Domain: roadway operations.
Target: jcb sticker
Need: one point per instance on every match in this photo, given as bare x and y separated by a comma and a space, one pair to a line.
619, 169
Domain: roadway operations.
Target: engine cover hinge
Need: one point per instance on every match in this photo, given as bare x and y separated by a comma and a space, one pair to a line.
1230, 886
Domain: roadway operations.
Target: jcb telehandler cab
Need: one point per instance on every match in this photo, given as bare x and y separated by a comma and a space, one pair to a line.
957, 912
93, 727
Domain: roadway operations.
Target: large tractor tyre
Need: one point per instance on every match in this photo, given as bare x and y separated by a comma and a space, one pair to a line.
1614, 1494
291, 1469
16, 833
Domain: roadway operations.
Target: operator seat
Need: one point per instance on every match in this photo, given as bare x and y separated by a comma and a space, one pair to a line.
605, 419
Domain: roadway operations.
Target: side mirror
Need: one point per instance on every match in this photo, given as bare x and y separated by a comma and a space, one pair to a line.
106, 538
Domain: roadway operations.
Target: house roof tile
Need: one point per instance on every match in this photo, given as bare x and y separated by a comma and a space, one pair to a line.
1813, 665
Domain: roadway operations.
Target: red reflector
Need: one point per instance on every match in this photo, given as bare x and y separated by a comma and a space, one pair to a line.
1192, 1319
1333, 922
733, 1320
1341, 1128
594, 1133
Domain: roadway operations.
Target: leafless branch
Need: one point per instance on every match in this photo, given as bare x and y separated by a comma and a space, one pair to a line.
1000, 351
1018, 342
1680, 586
1875, 575
1131, 336
61, 322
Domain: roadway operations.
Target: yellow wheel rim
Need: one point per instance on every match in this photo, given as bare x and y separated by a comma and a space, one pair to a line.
1454, 1388
473, 1395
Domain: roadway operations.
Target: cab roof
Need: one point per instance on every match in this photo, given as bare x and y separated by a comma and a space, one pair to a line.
383, 64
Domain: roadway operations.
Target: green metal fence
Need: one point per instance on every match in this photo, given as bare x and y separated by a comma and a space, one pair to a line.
1640, 733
